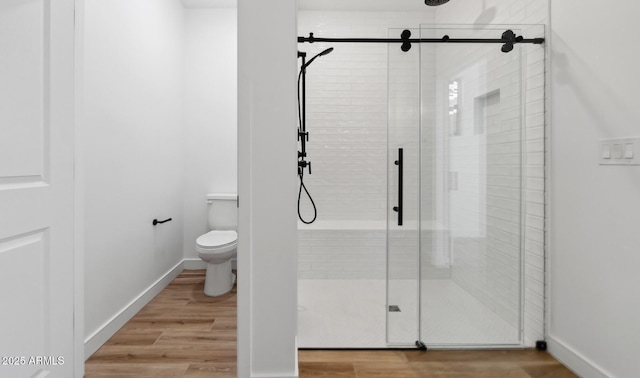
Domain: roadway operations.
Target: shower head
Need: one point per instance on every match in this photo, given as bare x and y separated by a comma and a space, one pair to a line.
325, 52
322, 53
433, 3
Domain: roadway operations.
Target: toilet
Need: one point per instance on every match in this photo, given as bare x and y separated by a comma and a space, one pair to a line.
218, 246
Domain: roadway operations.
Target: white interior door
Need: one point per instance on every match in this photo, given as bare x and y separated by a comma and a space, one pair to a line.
36, 188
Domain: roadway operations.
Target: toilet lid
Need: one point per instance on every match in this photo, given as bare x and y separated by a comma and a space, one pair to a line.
217, 238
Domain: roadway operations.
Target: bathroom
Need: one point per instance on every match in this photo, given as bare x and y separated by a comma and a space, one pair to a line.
184, 106
153, 76
485, 11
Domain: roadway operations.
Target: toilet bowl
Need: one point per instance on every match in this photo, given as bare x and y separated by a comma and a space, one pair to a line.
217, 248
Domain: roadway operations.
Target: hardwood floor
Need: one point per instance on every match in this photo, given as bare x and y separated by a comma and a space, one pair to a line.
184, 333
433, 363
180, 333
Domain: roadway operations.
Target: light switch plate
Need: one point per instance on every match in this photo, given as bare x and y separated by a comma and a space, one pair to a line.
621, 151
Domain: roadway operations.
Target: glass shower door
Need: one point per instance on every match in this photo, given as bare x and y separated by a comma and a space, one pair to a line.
403, 188
471, 216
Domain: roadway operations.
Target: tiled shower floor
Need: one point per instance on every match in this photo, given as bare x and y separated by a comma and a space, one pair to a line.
352, 314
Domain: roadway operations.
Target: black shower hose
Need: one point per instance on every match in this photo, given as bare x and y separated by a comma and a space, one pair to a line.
315, 210
301, 170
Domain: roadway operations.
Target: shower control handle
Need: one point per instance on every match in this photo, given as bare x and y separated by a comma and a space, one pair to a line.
399, 163
302, 164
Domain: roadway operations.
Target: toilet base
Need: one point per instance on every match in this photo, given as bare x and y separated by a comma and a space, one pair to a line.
219, 279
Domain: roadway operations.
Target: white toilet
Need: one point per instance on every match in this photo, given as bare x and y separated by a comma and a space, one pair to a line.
218, 246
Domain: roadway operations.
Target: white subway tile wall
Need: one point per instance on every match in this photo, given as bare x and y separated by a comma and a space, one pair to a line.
347, 112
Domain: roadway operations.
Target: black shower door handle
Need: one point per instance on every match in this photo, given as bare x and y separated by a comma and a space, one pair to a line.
398, 208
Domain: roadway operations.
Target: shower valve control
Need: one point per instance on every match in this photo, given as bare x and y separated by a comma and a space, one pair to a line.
302, 164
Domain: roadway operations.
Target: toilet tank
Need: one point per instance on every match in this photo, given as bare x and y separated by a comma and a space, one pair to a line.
223, 211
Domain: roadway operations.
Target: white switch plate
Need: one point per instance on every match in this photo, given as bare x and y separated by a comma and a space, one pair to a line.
621, 151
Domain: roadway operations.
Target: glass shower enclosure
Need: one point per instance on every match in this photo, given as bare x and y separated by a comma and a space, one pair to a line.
456, 212
455, 226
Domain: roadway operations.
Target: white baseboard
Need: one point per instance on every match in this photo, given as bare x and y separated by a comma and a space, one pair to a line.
98, 338
578, 363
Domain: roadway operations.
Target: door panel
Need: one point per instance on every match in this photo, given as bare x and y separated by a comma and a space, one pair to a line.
403, 193
36, 187
24, 91
471, 293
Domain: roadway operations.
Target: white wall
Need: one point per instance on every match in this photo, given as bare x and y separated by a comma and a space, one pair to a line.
210, 101
267, 311
133, 152
595, 210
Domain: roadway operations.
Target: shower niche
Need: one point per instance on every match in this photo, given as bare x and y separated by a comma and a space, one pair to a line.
453, 257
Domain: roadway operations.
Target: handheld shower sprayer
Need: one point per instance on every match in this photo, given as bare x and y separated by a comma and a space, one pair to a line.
303, 135
433, 3
321, 53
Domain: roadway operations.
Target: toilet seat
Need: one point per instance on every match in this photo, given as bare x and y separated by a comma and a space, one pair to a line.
217, 239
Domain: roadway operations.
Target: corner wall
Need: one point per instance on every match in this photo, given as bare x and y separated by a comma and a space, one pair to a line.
267, 284
132, 151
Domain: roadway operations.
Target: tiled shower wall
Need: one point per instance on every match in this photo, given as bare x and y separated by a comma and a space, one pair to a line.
347, 112
347, 116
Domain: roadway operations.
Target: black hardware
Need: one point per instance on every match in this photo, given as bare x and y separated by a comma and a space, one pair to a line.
405, 36
155, 221
541, 345
303, 134
420, 345
398, 208
507, 40
435, 3
510, 39
302, 164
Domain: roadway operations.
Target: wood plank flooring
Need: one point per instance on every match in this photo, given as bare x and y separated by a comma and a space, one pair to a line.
180, 333
184, 333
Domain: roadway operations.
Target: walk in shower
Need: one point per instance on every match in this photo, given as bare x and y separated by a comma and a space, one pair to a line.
426, 181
